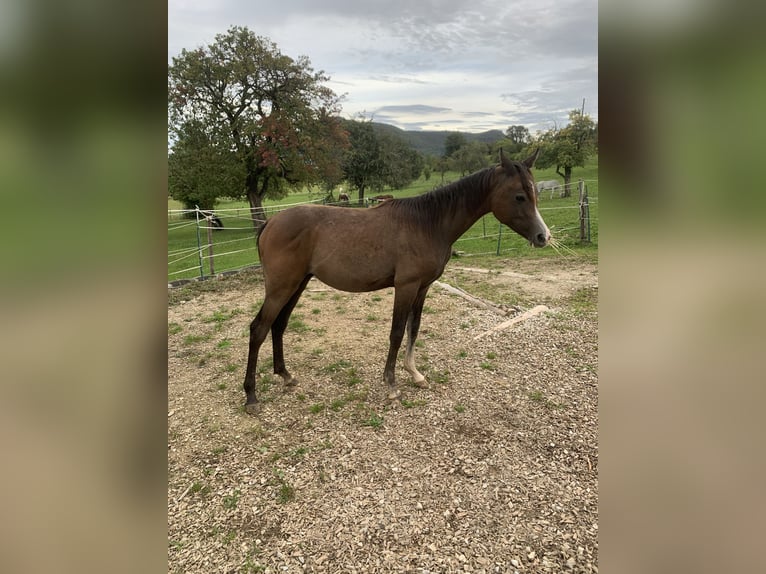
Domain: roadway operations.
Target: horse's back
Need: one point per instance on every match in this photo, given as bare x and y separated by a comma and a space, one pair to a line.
313, 221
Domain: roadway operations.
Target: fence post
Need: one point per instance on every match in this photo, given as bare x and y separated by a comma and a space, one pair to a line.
499, 237
209, 219
587, 211
584, 231
199, 244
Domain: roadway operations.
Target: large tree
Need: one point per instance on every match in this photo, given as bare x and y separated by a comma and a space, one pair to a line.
363, 162
375, 159
402, 164
568, 147
272, 112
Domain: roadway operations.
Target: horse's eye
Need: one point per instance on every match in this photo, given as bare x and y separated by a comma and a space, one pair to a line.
521, 198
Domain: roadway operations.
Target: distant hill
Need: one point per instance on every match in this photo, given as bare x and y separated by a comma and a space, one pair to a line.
432, 143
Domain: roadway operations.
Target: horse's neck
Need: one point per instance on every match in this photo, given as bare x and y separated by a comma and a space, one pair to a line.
470, 203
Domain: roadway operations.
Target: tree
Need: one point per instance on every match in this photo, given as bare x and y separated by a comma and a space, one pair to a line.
516, 140
401, 163
271, 112
427, 169
198, 171
568, 147
453, 142
471, 157
518, 135
363, 163
442, 166
375, 160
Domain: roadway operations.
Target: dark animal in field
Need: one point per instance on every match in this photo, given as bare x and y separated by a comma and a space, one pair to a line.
212, 219
379, 198
411, 239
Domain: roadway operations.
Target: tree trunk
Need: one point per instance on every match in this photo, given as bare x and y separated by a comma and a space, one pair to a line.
257, 213
255, 198
361, 195
567, 175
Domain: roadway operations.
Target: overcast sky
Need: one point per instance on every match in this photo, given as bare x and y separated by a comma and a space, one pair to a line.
456, 65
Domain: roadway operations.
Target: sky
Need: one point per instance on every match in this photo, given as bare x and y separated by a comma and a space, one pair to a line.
425, 64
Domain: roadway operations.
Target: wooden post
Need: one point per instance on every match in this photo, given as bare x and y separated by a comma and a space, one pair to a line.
583, 203
587, 213
499, 237
199, 245
209, 219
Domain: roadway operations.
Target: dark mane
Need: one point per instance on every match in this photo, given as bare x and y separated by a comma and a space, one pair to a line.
426, 211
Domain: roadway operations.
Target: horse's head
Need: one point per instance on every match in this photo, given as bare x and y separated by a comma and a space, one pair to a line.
514, 201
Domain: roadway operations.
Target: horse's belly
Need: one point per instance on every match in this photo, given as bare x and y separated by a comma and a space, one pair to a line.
356, 276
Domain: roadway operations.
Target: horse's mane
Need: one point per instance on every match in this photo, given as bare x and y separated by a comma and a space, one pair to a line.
465, 195
428, 209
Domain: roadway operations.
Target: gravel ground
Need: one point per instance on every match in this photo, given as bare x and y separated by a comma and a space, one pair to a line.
494, 468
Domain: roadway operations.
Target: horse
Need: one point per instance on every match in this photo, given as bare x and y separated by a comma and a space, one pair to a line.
343, 198
412, 240
551, 184
214, 221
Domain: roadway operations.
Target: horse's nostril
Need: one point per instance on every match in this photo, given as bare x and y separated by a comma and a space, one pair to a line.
541, 238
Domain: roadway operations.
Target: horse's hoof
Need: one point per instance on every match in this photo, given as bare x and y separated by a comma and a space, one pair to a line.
252, 408
393, 395
422, 384
287, 379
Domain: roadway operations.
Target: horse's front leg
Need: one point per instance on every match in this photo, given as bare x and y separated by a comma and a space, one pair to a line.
413, 326
403, 300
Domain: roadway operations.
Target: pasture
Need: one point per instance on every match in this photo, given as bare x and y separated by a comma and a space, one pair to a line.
494, 468
484, 239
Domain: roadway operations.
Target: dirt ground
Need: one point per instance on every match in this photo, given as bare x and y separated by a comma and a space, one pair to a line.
494, 468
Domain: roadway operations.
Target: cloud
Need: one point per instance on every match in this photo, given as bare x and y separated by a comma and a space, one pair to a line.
398, 79
413, 109
554, 97
479, 64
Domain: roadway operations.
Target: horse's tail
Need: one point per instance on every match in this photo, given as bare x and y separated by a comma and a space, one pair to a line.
258, 239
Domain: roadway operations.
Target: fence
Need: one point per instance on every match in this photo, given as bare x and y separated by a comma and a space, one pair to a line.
196, 240
203, 243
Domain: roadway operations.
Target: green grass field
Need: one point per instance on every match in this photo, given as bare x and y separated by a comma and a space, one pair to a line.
482, 241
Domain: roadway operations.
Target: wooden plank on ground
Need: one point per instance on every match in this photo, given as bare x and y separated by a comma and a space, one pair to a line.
536, 310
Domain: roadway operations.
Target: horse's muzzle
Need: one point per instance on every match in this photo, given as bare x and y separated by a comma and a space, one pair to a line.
540, 240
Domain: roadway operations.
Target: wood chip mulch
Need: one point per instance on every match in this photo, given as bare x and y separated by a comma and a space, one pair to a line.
494, 468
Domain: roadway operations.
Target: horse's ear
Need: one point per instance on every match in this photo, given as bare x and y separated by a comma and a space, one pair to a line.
505, 162
530, 161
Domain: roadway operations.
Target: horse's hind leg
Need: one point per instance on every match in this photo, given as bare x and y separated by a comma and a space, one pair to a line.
413, 326
278, 330
259, 328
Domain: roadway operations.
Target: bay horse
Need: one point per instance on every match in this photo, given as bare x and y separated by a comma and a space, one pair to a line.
411, 239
